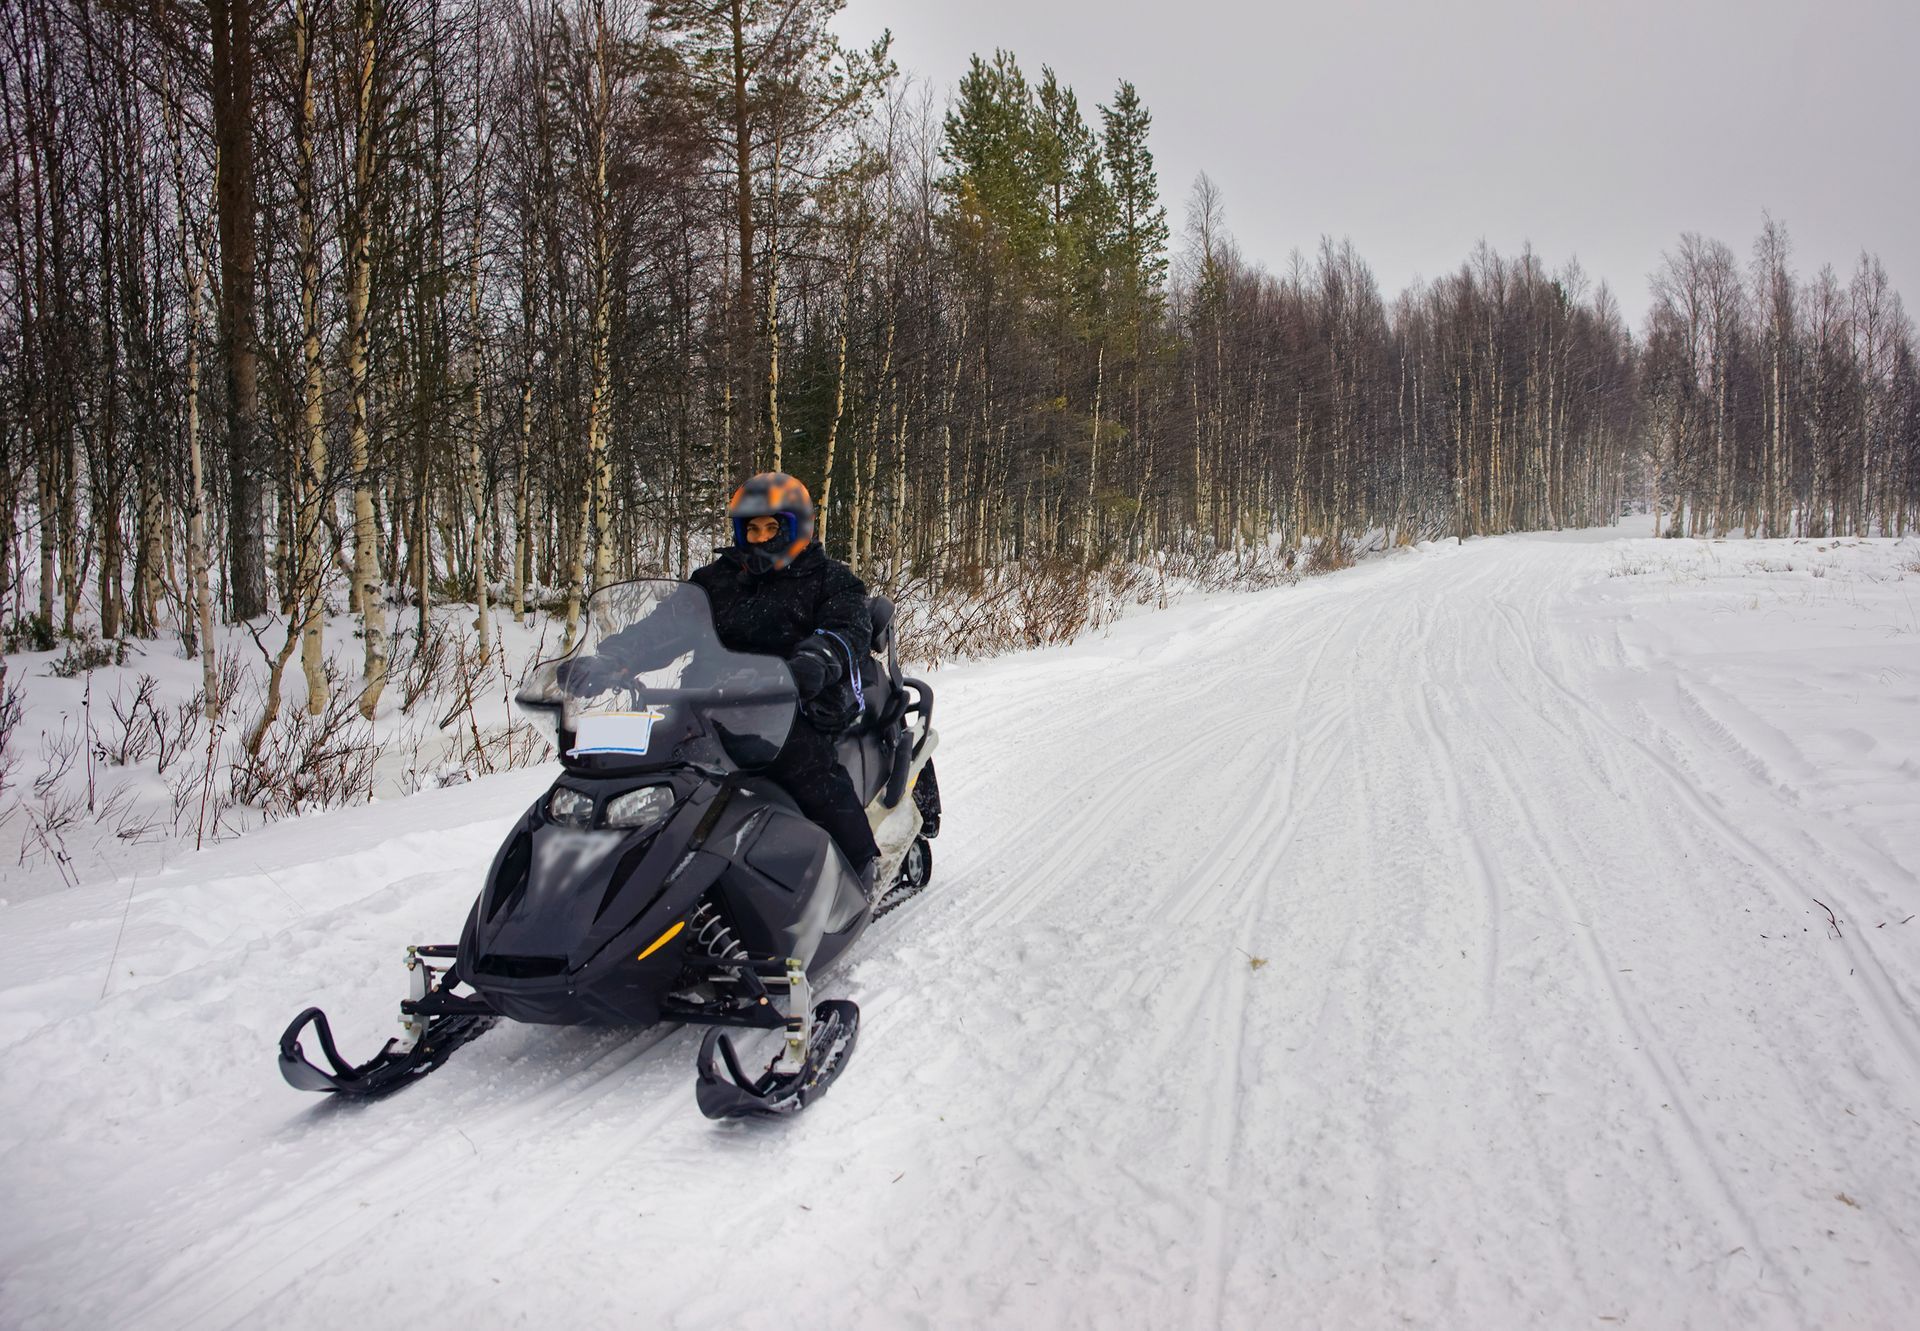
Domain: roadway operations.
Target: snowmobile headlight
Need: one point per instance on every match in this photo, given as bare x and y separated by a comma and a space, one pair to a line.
645, 807
570, 808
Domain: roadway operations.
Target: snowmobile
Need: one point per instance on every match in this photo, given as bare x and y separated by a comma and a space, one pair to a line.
659, 879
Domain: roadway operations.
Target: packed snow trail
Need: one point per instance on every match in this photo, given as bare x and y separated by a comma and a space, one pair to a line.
1444, 941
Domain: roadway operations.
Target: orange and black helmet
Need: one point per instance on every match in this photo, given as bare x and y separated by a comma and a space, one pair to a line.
774, 494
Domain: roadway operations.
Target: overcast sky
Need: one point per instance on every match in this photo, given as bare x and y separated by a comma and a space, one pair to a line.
1600, 129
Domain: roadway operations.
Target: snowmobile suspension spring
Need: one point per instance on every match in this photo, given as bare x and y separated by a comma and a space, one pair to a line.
712, 933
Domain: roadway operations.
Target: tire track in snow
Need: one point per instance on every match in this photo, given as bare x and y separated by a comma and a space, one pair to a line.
1406, 1001
1479, 868
1756, 772
1116, 785
1228, 1095
1194, 885
299, 1230
1653, 1068
1767, 782
1176, 997
1895, 1019
1492, 892
1791, 1108
1163, 986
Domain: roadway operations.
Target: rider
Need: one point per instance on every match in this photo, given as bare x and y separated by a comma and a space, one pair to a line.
775, 592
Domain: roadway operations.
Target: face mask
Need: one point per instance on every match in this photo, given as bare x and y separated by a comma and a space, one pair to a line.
763, 556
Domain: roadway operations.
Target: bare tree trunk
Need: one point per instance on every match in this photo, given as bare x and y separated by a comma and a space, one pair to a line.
423, 555
193, 271
308, 555
522, 481
577, 569
233, 116
865, 500
476, 467
773, 312
898, 525
1093, 457
946, 440
369, 593
197, 519
848, 277
742, 146
521, 484
596, 494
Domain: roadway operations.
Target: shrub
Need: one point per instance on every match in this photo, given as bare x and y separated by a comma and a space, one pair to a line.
86, 654
12, 706
1329, 554
32, 633
310, 762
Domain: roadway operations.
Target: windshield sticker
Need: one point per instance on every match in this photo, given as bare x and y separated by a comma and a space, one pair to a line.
615, 732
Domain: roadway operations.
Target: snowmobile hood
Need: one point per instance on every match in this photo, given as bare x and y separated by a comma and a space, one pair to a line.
560, 894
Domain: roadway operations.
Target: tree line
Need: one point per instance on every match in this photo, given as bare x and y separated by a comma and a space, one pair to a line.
323, 305
1779, 406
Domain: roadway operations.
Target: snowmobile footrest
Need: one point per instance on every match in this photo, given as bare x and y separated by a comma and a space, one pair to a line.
724, 1090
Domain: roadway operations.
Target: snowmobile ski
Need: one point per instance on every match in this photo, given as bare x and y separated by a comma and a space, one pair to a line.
779, 1091
386, 1071
434, 1022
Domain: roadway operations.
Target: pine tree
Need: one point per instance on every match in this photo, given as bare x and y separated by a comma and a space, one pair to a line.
1081, 216
1141, 238
997, 176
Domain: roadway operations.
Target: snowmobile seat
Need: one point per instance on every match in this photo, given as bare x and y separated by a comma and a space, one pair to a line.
868, 759
886, 691
867, 748
880, 611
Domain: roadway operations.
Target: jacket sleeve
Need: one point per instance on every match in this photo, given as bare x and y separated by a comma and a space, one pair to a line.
842, 609
642, 647
653, 643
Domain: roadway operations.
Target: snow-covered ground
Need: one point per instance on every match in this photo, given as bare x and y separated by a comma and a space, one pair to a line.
1445, 941
98, 777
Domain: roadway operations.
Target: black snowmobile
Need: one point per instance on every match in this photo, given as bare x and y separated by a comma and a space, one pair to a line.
659, 879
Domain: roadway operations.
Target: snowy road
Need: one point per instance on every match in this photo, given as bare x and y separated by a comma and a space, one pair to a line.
1441, 941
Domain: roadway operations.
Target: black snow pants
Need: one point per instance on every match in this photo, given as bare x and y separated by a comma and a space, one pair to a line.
809, 770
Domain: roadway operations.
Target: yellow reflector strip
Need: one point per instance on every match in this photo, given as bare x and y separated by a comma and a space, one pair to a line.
662, 941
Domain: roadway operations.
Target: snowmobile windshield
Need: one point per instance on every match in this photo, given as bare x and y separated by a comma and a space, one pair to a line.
649, 685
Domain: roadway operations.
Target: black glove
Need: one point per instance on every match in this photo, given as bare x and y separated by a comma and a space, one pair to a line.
588, 675
814, 667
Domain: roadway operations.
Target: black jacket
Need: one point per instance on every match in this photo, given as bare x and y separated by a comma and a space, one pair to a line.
775, 613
